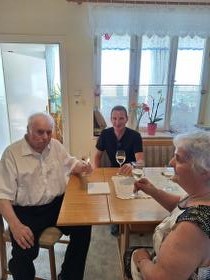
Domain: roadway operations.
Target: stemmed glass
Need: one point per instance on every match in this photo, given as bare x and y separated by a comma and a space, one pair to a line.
85, 157
120, 157
137, 173
137, 170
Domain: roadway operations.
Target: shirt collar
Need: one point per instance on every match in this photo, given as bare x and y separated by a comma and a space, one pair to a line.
28, 150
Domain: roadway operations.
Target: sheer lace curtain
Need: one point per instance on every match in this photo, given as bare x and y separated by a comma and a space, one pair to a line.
143, 19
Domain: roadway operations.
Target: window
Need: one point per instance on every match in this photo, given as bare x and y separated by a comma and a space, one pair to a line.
187, 83
134, 68
115, 60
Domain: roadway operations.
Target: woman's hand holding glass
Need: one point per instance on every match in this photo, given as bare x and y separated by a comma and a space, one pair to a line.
137, 173
137, 170
144, 185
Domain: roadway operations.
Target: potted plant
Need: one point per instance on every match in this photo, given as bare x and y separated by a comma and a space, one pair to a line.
138, 109
153, 115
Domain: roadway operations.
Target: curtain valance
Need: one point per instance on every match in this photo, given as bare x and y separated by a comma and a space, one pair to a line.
150, 20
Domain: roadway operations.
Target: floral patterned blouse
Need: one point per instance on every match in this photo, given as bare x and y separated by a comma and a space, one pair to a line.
200, 215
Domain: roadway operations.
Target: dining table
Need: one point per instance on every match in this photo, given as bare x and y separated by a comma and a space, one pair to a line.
79, 207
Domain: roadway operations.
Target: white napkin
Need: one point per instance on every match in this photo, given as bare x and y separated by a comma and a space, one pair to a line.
98, 188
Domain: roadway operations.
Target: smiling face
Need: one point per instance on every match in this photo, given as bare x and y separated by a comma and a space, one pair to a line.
39, 132
119, 120
185, 175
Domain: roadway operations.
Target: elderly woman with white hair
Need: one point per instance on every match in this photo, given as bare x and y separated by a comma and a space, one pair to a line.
182, 241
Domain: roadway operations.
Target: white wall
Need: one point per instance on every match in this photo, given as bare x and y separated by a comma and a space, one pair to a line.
70, 22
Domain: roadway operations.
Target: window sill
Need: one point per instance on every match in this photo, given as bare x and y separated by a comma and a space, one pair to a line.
158, 134
203, 126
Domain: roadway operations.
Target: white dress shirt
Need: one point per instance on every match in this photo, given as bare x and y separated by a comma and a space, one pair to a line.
30, 178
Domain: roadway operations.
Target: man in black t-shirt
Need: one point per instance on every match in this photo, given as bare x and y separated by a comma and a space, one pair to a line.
119, 137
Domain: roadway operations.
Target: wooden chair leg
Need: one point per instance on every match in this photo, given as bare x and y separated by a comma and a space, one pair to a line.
52, 263
3, 260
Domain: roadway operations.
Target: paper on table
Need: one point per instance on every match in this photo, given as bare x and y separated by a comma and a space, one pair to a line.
98, 188
124, 188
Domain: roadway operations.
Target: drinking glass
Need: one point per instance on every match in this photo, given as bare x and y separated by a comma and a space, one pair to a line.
137, 173
137, 170
120, 157
85, 157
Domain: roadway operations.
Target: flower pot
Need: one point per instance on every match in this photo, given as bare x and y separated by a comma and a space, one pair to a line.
151, 128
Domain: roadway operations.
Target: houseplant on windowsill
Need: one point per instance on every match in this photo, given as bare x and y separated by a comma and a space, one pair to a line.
138, 109
153, 115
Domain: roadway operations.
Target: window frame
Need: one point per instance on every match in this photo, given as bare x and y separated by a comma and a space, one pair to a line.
134, 71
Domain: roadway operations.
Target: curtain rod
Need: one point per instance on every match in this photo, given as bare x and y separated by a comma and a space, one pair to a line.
148, 2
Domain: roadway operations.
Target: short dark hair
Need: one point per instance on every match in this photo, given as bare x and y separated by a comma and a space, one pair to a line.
119, 108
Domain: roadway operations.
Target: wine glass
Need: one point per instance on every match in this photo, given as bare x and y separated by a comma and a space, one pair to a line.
85, 158
137, 170
137, 173
120, 157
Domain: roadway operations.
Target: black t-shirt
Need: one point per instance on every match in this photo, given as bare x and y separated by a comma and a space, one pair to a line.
130, 142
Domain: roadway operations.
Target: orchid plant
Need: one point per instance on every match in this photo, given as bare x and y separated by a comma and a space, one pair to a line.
139, 109
153, 113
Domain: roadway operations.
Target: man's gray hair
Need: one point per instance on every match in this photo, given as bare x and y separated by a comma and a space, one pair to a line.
41, 114
197, 146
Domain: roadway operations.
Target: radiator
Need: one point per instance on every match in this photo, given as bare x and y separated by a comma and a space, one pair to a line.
156, 156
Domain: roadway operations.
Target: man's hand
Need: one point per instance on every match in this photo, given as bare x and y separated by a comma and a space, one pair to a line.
86, 167
22, 235
82, 167
126, 169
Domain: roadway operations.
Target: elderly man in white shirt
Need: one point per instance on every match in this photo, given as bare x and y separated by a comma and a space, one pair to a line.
33, 176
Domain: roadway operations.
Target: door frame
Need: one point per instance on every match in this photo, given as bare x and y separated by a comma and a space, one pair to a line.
61, 41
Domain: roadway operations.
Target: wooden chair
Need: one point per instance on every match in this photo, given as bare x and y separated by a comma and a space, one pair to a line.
47, 240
